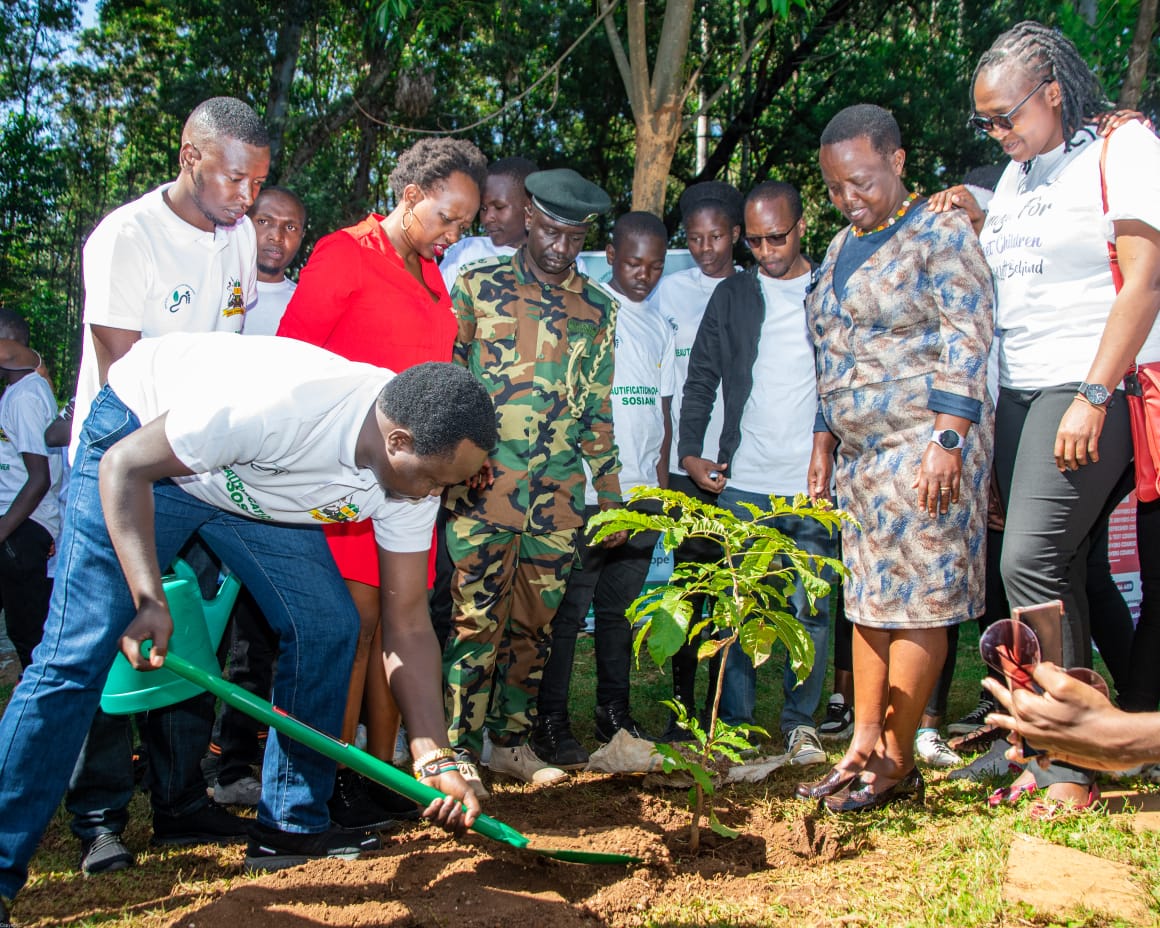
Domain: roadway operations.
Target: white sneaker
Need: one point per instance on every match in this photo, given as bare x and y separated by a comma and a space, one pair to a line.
803, 747
933, 751
244, 792
521, 763
470, 773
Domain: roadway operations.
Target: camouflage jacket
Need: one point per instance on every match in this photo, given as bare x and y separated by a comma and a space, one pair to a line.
545, 355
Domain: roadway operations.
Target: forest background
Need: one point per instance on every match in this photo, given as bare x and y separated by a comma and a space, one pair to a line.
644, 97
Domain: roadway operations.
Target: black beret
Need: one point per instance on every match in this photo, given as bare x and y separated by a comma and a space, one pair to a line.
565, 196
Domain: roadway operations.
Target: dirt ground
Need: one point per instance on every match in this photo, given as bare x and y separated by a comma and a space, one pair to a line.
425, 878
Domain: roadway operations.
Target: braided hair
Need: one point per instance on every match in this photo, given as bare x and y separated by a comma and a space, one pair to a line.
1047, 53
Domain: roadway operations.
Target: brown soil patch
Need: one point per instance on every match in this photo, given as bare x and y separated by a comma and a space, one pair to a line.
424, 877
1058, 880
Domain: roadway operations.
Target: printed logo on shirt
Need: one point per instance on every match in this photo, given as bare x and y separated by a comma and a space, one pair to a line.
181, 295
683, 352
235, 305
636, 395
241, 497
342, 511
272, 469
4, 436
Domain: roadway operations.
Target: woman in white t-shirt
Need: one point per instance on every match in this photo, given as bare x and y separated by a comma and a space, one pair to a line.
1066, 337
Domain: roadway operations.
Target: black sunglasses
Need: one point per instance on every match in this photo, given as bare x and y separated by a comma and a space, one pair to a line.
776, 240
1003, 121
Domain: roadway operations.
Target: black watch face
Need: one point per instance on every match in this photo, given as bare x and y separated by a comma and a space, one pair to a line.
1096, 393
948, 439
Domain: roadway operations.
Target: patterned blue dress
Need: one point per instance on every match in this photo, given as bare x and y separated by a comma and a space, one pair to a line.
906, 337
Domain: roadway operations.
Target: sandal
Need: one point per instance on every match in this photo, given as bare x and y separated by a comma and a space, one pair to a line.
1010, 795
1047, 808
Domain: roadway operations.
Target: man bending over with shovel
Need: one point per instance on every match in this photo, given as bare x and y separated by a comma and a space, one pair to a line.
253, 443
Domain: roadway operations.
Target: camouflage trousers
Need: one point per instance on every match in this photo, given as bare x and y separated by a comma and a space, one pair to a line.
507, 587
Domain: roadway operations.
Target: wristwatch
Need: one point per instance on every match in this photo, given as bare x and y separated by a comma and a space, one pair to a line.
947, 439
1096, 394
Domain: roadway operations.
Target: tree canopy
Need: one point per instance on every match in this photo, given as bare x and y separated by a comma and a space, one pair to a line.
91, 117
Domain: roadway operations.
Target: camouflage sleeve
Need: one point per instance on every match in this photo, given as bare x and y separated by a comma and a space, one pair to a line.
464, 308
596, 440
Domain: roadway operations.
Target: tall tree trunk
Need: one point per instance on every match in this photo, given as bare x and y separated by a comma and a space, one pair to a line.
656, 143
1133, 87
295, 15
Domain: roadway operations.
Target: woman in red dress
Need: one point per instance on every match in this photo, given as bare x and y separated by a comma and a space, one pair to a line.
372, 292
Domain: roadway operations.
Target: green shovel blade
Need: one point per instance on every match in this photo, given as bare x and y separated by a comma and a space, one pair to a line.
366, 764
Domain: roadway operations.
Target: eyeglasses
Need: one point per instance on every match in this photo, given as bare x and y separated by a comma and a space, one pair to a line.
1003, 121
776, 240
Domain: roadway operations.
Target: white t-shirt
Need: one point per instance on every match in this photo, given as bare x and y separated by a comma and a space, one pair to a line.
777, 423
27, 408
467, 250
149, 271
1045, 238
645, 371
269, 427
682, 298
264, 316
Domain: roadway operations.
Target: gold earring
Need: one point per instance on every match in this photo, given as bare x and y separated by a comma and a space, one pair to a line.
410, 212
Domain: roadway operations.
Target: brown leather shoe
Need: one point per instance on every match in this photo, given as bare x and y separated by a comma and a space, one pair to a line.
833, 782
859, 796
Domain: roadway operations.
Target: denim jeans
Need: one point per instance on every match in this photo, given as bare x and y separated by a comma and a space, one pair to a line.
739, 693
292, 576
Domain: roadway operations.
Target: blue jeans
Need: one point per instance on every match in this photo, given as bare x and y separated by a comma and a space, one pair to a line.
739, 693
292, 576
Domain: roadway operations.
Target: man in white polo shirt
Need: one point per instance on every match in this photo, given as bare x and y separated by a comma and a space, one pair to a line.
181, 258
754, 344
253, 444
279, 219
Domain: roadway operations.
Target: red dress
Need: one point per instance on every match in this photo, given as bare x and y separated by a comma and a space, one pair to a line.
356, 298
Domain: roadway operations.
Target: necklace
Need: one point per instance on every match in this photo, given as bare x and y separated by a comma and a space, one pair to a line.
906, 204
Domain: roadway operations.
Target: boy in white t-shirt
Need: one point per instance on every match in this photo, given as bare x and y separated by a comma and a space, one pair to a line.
29, 476
253, 444
610, 578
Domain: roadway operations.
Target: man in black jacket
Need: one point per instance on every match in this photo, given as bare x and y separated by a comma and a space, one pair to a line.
753, 342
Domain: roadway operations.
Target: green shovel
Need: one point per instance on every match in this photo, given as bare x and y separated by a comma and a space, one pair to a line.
366, 764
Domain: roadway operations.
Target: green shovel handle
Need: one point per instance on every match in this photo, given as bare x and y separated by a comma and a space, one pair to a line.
347, 754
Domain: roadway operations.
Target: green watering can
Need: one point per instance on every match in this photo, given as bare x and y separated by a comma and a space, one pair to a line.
198, 626
191, 667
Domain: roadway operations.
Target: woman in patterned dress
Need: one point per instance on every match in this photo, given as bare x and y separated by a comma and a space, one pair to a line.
901, 319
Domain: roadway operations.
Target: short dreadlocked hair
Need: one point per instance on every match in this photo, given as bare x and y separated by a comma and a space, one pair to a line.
430, 162
1046, 53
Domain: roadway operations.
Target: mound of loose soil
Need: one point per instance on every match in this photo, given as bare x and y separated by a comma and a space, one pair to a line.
424, 877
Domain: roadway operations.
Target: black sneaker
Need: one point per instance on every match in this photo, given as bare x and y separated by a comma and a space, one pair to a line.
210, 824
271, 849
398, 806
553, 742
839, 720
976, 718
614, 718
352, 808
105, 854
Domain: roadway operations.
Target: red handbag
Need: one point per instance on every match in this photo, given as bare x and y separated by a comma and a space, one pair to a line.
1141, 386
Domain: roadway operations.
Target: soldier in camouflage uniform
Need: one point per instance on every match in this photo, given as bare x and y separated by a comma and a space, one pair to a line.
537, 334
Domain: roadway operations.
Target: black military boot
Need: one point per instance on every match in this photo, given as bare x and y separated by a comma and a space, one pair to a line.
613, 718
553, 742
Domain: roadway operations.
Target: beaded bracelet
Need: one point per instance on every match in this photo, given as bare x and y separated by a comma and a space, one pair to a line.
438, 754
435, 768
